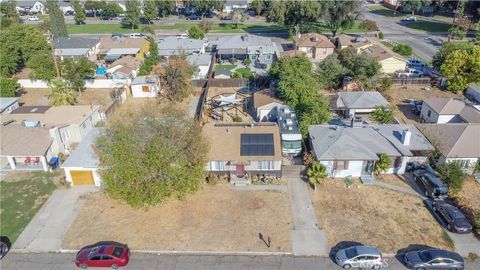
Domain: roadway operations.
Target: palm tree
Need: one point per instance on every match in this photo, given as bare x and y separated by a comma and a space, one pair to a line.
317, 173
60, 94
382, 164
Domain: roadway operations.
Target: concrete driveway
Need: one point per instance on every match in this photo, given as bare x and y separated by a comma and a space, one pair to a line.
46, 230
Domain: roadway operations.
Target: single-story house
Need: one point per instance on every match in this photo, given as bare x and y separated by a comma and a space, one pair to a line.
202, 62
350, 103
117, 53
222, 74
76, 46
316, 46
68, 124
25, 148
8, 104
141, 46
242, 150
457, 142
390, 60
265, 106
145, 86
448, 110
169, 46
473, 91
358, 43
30, 6
260, 50
231, 5
353, 151
126, 67
81, 167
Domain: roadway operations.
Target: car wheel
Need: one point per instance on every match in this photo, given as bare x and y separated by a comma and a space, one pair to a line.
114, 266
449, 227
420, 268
347, 266
83, 266
426, 193
453, 268
434, 208
376, 267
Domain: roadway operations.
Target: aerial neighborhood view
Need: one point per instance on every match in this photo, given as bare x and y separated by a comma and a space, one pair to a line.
240, 134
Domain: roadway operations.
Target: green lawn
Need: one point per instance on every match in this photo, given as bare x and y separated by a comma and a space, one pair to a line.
382, 10
21, 199
226, 67
429, 26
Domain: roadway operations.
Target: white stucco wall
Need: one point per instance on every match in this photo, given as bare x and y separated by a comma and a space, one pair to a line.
390, 65
96, 176
469, 169
137, 91
433, 118
253, 166
354, 169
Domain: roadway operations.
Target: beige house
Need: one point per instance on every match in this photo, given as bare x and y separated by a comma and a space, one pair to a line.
265, 105
457, 142
316, 46
242, 150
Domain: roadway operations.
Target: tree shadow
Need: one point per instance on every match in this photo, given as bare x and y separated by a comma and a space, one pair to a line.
412, 247
342, 245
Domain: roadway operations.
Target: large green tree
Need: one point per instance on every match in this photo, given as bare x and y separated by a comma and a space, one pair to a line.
75, 70
111, 10
151, 156
8, 87
42, 66
295, 12
132, 13
330, 72
57, 21
206, 5
176, 77
165, 7
94, 6
447, 48
362, 67
299, 88
196, 32
79, 12
8, 13
453, 175
462, 67
383, 115
415, 5
150, 11
341, 14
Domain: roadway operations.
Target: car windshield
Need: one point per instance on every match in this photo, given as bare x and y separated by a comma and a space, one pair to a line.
292, 144
117, 252
425, 256
351, 252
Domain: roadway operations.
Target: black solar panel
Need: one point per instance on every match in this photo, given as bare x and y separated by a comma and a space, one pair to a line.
256, 145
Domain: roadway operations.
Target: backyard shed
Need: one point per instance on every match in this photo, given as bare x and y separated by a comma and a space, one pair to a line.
145, 87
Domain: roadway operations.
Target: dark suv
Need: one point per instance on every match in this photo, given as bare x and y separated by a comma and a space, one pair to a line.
433, 186
455, 219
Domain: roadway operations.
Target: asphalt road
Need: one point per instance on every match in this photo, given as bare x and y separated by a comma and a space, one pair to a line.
424, 44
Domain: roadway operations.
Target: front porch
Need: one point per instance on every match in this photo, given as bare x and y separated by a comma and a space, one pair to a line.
24, 163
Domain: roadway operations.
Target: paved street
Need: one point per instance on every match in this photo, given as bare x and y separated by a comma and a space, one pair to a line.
423, 43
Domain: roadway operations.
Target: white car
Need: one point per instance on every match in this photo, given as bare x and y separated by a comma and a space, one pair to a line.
359, 257
137, 35
410, 19
410, 73
33, 18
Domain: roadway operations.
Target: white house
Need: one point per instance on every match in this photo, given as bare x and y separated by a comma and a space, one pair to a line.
8, 104
353, 151
81, 167
76, 47
265, 106
473, 91
231, 5
30, 6
145, 87
202, 62
349, 104
448, 110
457, 142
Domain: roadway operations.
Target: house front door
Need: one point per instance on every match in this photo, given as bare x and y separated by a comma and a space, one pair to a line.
368, 167
240, 170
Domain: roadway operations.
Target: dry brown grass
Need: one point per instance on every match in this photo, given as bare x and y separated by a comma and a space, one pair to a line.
375, 216
470, 195
216, 218
399, 94
393, 179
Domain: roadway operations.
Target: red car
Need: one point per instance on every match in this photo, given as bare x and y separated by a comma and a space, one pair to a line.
103, 254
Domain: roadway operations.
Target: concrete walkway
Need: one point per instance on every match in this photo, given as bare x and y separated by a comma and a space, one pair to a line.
307, 238
46, 230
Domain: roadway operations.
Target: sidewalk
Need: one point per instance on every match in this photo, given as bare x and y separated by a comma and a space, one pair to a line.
46, 230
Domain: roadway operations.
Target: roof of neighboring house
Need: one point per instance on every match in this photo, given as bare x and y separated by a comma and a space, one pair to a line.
313, 40
6, 102
245, 44
24, 141
122, 51
360, 100
364, 143
200, 59
84, 155
58, 115
75, 43
225, 140
264, 97
470, 114
380, 53
71, 52
144, 80
344, 39
173, 45
236, 2
459, 140
445, 105
128, 61
108, 43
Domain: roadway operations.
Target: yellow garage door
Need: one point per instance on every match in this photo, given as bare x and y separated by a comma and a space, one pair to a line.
82, 177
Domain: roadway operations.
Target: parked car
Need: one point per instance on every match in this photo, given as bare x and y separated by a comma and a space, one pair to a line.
194, 17
136, 35
33, 18
4, 248
409, 73
415, 63
433, 186
455, 219
103, 254
433, 259
415, 165
359, 256
69, 13
410, 19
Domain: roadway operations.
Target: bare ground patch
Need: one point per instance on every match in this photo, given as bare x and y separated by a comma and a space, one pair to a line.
393, 179
216, 218
375, 216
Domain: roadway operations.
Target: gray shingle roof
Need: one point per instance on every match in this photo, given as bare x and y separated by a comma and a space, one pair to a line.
5, 102
360, 100
244, 44
172, 45
199, 59
83, 156
75, 43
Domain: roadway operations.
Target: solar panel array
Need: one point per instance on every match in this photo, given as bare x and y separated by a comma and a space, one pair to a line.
256, 145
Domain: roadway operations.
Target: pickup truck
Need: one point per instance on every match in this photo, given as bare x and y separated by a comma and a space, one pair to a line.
409, 73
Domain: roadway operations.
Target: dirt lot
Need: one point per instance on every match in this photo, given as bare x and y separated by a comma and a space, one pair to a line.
375, 216
215, 218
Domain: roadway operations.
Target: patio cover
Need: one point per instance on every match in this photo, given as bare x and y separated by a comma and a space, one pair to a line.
24, 141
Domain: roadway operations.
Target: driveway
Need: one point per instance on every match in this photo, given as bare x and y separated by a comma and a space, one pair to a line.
46, 230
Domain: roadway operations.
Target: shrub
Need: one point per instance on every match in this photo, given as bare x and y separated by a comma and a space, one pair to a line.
453, 175
348, 181
236, 74
383, 115
212, 179
384, 83
381, 35
382, 164
237, 119
308, 158
403, 49
8, 87
317, 173
245, 73
247, 61
196, 32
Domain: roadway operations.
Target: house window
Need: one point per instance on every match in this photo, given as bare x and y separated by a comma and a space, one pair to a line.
145, 89
265, 165
429, 113
218, 165
398, 162
340, 165
268, 56
309, 49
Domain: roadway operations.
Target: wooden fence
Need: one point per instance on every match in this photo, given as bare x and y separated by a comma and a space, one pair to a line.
235, 82
407, 81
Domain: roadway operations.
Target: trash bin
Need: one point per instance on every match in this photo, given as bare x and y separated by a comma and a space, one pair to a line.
54, 162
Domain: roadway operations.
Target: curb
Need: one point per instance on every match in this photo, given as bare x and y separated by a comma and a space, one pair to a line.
168, 252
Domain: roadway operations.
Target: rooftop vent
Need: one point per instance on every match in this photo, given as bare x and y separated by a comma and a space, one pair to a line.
314, 39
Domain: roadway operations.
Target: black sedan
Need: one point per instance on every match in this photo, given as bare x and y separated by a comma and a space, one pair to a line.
455, 219
433, 259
